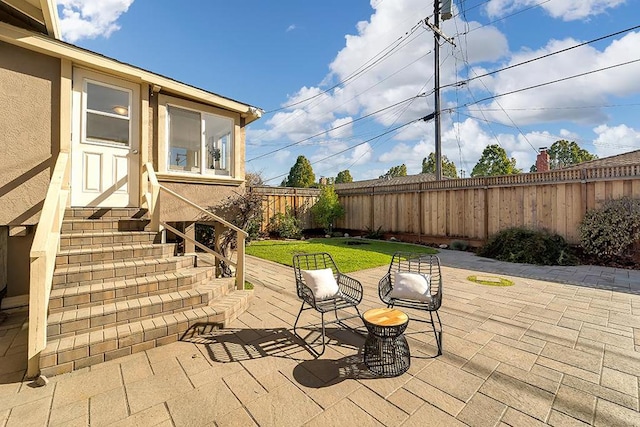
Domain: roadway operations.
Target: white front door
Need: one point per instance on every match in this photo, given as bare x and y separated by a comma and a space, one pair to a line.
105, 141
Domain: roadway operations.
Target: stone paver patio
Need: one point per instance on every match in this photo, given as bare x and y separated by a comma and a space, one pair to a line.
532, 354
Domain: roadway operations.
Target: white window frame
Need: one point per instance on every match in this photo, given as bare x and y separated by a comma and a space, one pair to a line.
85, 96
235, 176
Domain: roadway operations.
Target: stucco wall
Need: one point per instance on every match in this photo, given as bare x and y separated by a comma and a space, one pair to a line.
202, 194
29, 124
29, 134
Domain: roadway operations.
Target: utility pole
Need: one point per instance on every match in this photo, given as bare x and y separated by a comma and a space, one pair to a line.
437, 33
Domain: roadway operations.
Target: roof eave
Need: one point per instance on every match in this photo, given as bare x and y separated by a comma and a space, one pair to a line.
60, 49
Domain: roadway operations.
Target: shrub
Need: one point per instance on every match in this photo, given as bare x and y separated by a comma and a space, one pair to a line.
459, 245
327, 209
611, 231
374, 234
285, 225
519, 244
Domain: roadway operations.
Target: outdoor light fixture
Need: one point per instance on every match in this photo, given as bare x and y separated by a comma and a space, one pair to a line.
119, 109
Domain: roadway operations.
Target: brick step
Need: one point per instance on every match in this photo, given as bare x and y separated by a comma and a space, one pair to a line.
101, 254
88, 319
70, 276
81, 296
98, 213
105, 224
88, 239
89, 348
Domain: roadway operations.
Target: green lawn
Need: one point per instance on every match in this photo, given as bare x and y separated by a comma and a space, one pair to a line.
368, 254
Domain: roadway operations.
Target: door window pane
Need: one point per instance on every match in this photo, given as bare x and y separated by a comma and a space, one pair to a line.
107, 99
107, 129
185, 140
107, 118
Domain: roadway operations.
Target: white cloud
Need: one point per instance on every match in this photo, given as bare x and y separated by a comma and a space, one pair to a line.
615, 140
291, 28
572, 96
400, 76
342, 128
567, 10
282, 156
88, 19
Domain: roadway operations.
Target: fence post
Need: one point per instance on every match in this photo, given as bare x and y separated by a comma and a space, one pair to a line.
240, 276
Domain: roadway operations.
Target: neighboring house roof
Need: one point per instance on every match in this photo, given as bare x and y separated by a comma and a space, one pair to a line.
630, 158
39, 15
48, 44
382, 182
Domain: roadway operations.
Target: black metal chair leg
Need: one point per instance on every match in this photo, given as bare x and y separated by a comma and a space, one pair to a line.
437, 332
298, 318
295, 324
323, 335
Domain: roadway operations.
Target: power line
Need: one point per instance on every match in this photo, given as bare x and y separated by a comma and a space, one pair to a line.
390, 49
505, 17
425, 118
547, 83
576, 107
463, 82
334, 128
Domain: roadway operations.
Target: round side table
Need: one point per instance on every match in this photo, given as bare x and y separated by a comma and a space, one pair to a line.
386, 351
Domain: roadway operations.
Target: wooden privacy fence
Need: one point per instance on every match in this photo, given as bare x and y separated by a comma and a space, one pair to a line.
475, 208
468, 209
278, 199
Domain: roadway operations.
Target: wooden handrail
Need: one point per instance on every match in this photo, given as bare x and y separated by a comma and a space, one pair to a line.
152, 201
198, 244
44, 249
155, 184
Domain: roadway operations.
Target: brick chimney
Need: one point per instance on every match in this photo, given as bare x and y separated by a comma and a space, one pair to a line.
542, 161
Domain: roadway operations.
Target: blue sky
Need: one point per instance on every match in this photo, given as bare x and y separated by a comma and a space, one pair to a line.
272, 54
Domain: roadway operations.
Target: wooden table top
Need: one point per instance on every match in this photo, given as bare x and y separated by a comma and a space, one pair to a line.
385, 317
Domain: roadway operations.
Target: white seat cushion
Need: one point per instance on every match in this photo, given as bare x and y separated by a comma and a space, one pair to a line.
411, 285
321, 282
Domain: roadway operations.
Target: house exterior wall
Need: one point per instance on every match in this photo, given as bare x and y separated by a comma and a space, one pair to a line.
30, 136
204, 192
29, 142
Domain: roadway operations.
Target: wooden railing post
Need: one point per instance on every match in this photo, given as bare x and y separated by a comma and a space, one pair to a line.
217, 239
240, 261
45, 246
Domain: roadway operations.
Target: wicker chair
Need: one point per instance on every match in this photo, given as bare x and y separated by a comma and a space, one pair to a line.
349, 291
416, 263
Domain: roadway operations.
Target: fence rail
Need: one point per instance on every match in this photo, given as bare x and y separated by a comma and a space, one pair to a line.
469, 208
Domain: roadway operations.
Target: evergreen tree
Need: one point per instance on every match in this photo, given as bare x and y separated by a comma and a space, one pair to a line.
395, 171
494, 161
448, 167
343, 176
301, 174
564, 153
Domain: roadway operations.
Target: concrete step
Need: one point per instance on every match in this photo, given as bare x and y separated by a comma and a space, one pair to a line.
102, 213
88, 319
112, 253
71, 276
89, 348
104, 224
81, 296
89, 239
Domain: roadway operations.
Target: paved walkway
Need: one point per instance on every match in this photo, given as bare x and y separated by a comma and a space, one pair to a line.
531, 354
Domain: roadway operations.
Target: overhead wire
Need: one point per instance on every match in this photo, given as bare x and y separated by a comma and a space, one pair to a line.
385, 52
333, 128
621, 64
528, 61
425, 118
